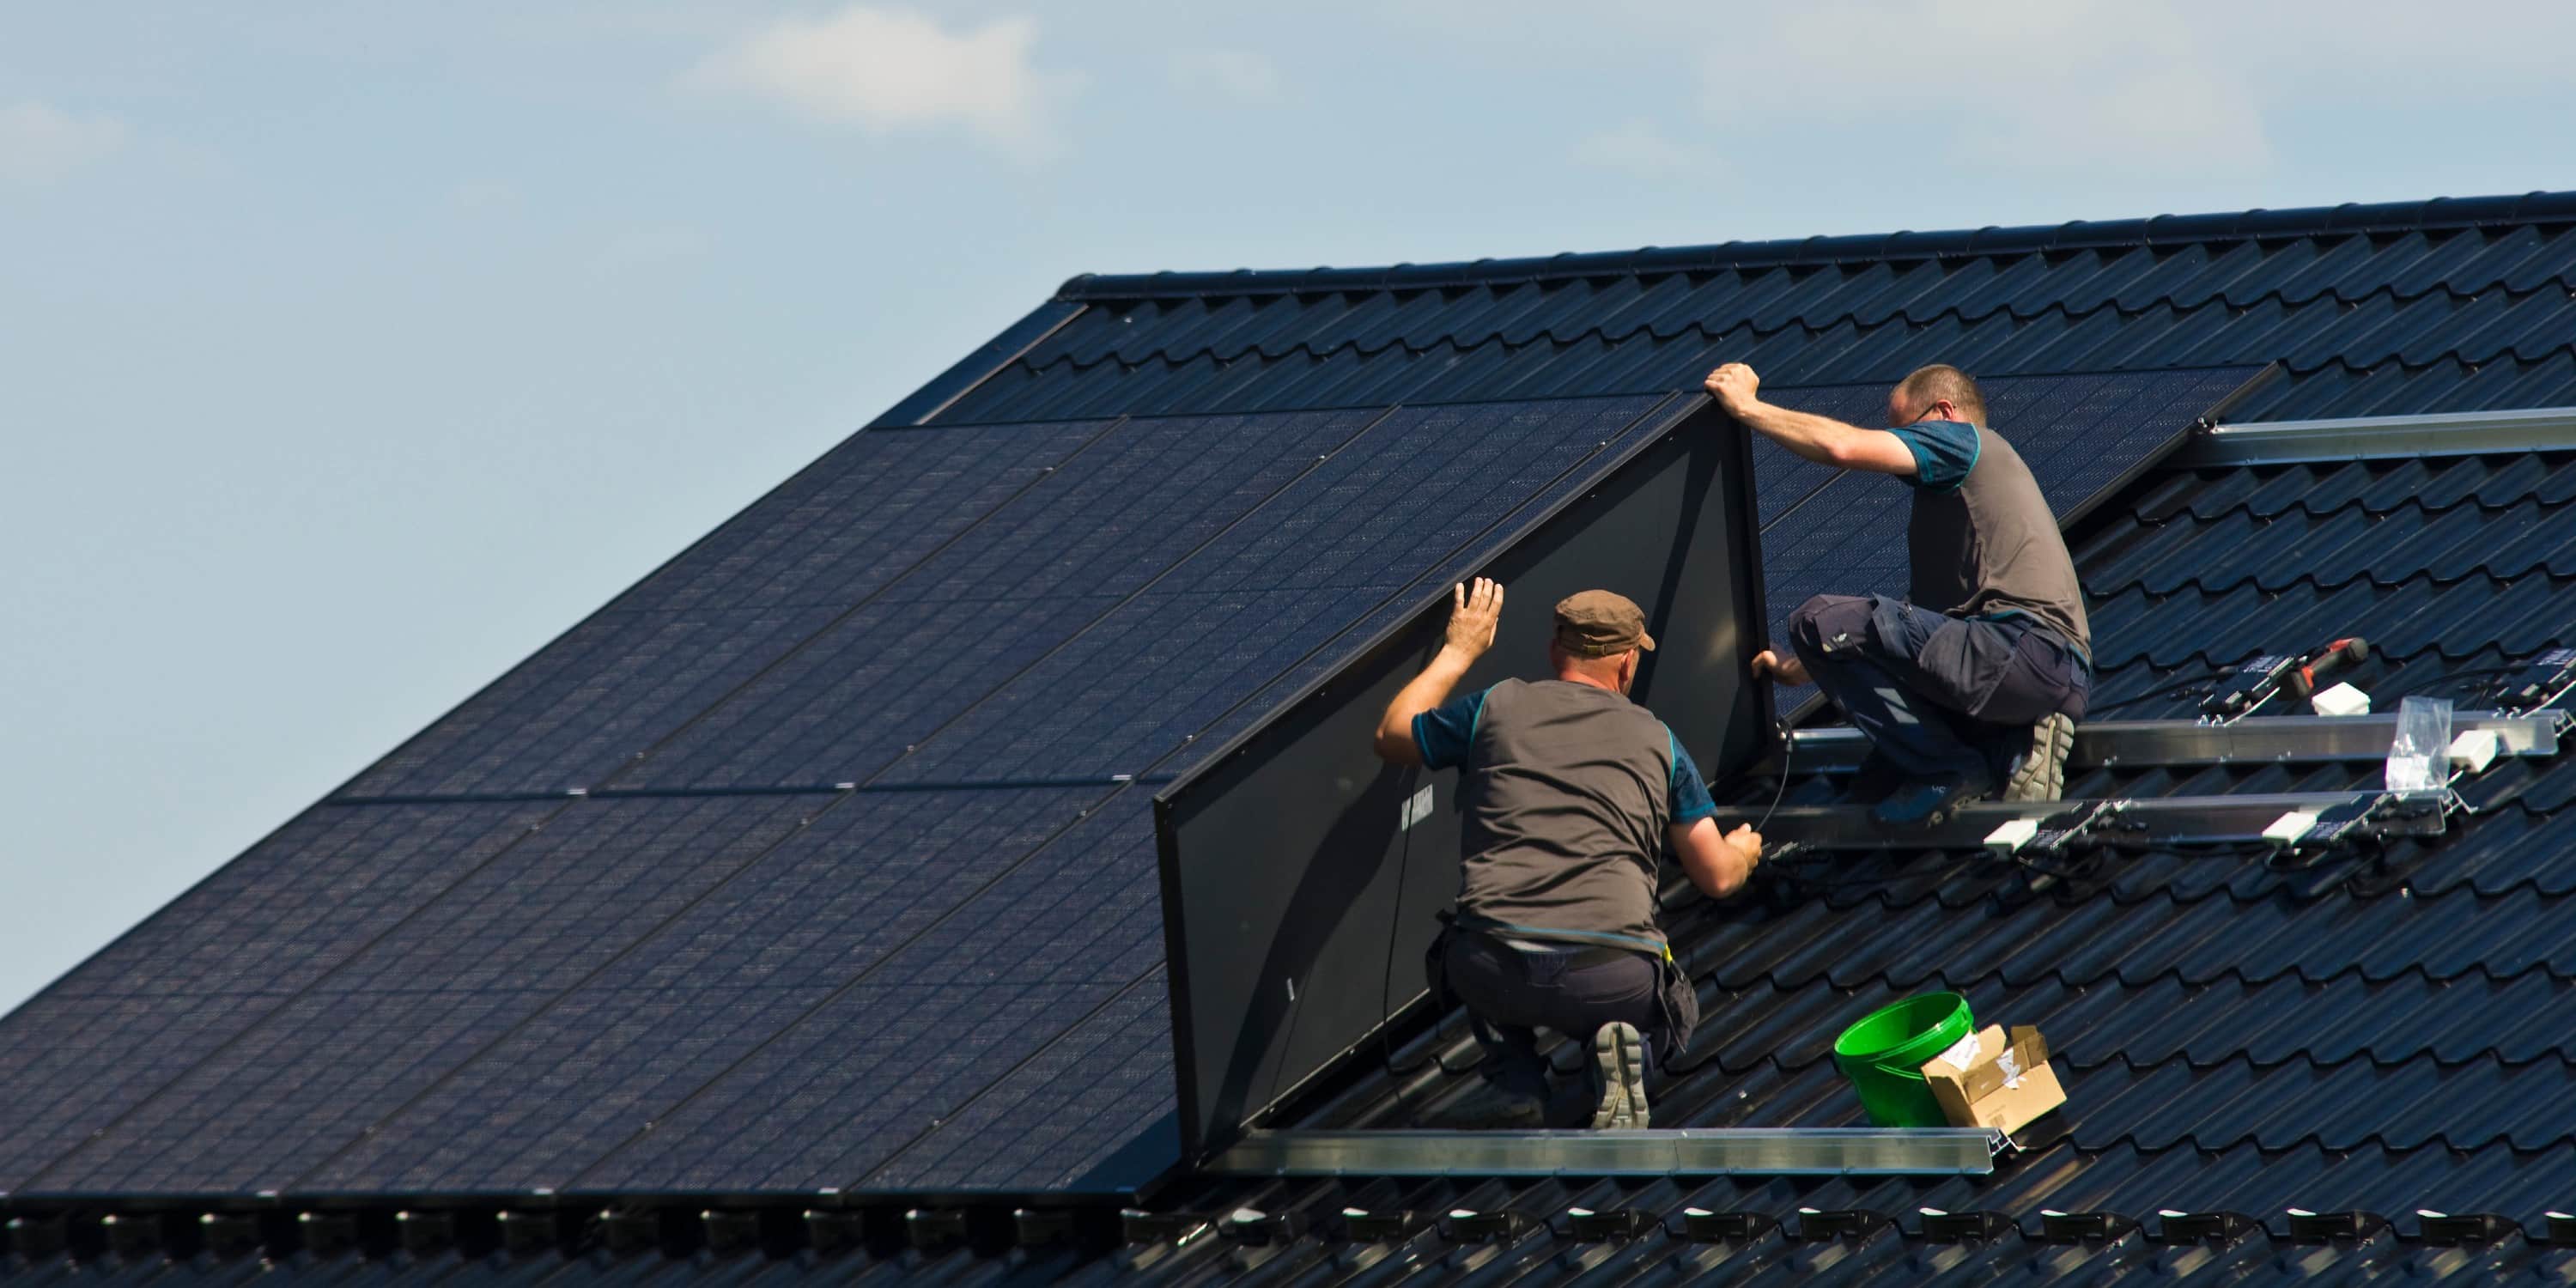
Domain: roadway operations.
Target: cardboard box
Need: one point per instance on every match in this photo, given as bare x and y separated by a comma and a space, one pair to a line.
1997, 1083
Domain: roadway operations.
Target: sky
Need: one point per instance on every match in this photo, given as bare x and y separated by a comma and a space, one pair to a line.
350, 351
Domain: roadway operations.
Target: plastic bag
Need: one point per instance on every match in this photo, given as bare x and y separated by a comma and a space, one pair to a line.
2420, 758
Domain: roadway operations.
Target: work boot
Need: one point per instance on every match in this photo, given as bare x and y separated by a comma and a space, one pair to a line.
1619, 1065
2039, 774
1490, 1106
1926, 802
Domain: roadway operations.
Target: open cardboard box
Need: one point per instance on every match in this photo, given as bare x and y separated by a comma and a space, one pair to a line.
1996, 1083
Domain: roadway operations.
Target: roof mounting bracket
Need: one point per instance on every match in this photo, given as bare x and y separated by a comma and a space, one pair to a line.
1689, 1151
2171, 820
2258, 740
2360, 438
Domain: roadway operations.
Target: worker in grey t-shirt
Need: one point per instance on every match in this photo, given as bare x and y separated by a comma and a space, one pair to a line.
1973, 682
1570, 794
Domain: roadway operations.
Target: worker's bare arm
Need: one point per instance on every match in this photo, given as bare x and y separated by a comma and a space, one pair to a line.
1474, 613
1821, 439
1718, 863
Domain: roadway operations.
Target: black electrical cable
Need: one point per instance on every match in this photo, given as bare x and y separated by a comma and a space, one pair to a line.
1394, 926
2153, 694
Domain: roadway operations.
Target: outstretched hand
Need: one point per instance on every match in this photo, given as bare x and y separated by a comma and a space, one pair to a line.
1476, 612
1782, 670
1735, 387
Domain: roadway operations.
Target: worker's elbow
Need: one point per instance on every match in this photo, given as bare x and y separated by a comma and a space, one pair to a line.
1396, 747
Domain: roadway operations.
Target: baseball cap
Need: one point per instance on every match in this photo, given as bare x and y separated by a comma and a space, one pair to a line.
1598, 623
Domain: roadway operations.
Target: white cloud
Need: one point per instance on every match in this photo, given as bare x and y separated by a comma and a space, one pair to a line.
1235, 74
890, 70
39, 144
1637, 147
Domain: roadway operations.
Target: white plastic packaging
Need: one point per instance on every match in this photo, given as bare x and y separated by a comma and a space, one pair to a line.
2419, 760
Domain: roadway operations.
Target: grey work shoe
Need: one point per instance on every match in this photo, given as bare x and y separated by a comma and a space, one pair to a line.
1619, 1060
2040, 773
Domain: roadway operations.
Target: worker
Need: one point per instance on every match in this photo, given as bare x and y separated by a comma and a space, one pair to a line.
1570, 794
1974, 681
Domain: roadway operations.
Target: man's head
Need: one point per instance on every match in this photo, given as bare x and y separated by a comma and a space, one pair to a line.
1938, 391
1601, 636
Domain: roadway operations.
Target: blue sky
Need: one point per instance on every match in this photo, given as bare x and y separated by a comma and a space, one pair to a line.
350, 351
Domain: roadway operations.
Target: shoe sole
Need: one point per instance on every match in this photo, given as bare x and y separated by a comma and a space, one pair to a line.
2041, 776
1619, 1052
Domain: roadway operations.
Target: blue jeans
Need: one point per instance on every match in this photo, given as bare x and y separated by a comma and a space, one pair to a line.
1937, 694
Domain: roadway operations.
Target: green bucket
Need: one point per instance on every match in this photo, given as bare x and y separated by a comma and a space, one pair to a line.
1884, 1054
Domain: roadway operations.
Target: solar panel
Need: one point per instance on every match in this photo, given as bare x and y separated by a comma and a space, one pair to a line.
456, 972
1166, 665
875, 875
2079, 434
733, 603
1057, 940
193, 977
1042, 568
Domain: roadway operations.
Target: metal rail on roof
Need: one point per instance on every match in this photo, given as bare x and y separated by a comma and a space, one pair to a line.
2289, 442
2158, 820
1689, 1151
2261, 739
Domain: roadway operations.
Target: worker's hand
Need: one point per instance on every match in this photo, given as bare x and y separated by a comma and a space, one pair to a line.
1476, 612
1735, 388
1782, 669
1748, 843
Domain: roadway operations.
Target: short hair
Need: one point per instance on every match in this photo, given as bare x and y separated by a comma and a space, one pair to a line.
1941, 382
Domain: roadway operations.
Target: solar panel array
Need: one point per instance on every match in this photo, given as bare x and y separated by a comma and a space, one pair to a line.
818, 859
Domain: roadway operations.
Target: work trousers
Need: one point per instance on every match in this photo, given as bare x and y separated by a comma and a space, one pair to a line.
1937, 694
1512, 992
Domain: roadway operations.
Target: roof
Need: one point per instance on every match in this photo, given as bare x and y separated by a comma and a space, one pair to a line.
2371, 1034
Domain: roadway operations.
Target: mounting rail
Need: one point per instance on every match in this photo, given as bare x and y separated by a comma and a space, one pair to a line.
2284, 442
2169, 820
1688, 1151
2258, 739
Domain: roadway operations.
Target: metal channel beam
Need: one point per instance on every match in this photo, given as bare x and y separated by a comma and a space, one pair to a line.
2164, 819
1741, 1151
2381, 437
2106, 743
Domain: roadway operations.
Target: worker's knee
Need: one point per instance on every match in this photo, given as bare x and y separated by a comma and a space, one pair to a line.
1826, 624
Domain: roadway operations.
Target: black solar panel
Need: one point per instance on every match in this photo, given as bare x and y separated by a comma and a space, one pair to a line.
223, 956
462, 968
1044, 566
2079, 434
735, 602
962, 1006
875, 876
1402, 500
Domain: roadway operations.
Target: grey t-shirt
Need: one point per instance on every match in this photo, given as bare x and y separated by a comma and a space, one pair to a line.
1982, 542
1567, 789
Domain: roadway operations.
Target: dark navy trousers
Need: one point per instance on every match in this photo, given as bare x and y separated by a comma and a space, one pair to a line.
1510, 993
1937, 694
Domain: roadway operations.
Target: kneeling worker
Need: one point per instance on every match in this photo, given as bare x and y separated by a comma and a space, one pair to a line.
1570, 793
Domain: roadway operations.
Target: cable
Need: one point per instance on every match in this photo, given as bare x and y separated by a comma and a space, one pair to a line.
1782, 789
2153, 694
1386, 980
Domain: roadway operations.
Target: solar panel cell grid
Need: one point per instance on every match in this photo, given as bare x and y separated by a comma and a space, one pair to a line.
818, 912
1401, 499
969, 619
728, 606
290, 909
456, 974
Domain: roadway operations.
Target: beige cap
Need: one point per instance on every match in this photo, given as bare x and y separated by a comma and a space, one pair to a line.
1598, 623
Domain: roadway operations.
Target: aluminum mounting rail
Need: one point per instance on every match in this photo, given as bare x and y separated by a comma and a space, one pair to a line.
1688, 1151
2168, 819
2287, 442
2258, 739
